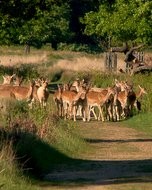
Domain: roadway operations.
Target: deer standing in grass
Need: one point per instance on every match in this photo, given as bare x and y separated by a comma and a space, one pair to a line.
70, 102
135, 97
17, 92
121, 99
43, 93
58, 100
99, 100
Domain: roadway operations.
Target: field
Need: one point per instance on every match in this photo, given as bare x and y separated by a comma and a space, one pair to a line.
66, 154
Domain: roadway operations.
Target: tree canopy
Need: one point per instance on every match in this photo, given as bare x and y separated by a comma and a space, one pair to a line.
122, 21
71, 21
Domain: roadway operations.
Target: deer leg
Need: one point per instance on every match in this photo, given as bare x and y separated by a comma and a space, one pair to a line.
93, 111
101, 113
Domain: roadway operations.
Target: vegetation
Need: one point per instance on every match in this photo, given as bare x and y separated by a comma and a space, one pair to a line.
34, 142
75, 25
121, 21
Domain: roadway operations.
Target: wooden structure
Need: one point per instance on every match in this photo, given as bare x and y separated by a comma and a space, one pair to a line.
144, 69
140, 56
27, 47
110, 62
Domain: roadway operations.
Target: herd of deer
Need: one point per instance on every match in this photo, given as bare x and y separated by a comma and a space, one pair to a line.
11, 88
80, 100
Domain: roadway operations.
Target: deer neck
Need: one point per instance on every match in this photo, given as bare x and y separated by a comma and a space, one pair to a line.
106, 97
77, 96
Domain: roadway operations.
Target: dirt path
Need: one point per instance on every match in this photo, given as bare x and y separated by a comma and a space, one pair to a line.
120, 158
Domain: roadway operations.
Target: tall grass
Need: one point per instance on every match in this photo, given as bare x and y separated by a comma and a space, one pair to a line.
11, 177
40, 138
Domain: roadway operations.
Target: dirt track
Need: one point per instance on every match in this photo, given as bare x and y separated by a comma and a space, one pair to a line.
120, 158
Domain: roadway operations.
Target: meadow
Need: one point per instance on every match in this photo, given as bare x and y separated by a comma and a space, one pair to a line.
35, 141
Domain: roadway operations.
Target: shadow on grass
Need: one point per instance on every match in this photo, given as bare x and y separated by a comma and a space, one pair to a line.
117, 141
51, 167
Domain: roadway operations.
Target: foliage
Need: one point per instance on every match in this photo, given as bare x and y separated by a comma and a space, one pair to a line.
80, 48
52, 141
87, 25
122, 21
26, 21
27, 71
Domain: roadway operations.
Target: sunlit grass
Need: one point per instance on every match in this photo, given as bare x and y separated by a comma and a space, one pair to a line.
141, 122
10, 60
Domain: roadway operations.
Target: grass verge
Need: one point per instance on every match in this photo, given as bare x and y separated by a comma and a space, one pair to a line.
142, 122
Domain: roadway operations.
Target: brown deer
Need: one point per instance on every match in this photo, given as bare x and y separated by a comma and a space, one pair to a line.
70, 102
8, 79
43, 93
17, 92
99, 100
135, 97
58, 100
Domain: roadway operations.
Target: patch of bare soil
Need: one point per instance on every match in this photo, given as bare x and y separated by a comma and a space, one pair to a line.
118, 158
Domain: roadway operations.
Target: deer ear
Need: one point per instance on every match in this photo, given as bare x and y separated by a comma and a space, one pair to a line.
13, 75
139, 86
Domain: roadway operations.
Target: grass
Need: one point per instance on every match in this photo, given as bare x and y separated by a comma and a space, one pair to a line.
40, 141
141, 122
11, 177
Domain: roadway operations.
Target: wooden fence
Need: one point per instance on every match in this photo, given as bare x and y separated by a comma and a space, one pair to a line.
140, 56
110, 61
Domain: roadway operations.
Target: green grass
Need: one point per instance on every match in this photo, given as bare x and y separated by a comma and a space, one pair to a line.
11, 177
31, 155
141, 122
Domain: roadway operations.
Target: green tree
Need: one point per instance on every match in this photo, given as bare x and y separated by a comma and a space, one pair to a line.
37, 21
122, 21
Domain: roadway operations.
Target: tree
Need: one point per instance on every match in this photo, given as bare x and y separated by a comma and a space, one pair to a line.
122, 21
37, 21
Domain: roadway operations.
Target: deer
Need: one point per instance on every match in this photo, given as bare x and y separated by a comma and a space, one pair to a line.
75, 85
8, 79
17, 81
17, 92
58, 100
109, 104
99, 100
135, 97
23, 92
43, 93
5, 97
70, 102
122, 100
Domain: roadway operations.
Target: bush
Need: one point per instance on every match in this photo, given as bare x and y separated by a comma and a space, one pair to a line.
80, 48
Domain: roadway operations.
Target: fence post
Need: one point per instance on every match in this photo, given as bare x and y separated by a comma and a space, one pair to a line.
110, 63
114, 62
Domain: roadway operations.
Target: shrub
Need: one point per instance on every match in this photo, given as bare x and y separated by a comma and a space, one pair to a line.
80, 48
